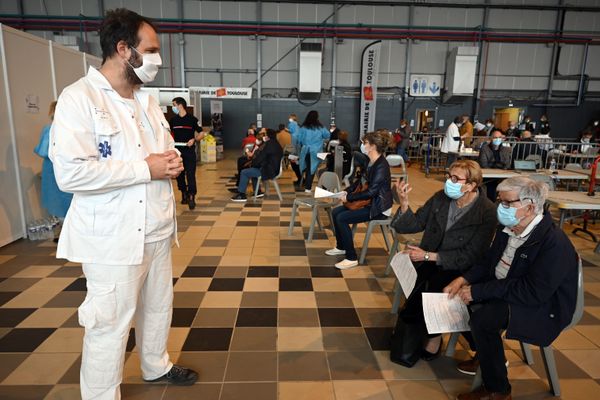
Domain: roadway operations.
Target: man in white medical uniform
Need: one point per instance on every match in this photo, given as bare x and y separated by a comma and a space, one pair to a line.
111, 147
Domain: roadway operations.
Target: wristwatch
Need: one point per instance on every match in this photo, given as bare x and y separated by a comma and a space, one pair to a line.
426, 256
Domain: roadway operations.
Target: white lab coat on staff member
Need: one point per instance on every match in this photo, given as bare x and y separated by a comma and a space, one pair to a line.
120, 226
451, 141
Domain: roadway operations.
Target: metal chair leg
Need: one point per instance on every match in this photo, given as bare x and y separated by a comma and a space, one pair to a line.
276, 185
477, 381
365, 246
527, 356
293, 219
312, 224
385, 237
397, 297
551, 372
451, 348
330, 214
393, 252
257, 188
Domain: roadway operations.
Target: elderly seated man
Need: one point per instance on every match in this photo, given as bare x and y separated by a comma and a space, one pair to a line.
526, 284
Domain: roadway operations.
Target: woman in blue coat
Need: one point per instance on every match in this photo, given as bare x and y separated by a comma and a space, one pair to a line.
310, 136
53, 200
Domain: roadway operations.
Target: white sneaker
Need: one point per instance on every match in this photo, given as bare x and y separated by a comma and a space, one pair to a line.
334, 252
307, 191
346, 264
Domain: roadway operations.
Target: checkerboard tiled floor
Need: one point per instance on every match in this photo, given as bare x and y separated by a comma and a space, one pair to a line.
261, 315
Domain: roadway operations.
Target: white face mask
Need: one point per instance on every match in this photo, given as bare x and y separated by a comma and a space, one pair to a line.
258, 141
149, 68
331, 129
363, 149
488, 125
402, 126
291, 120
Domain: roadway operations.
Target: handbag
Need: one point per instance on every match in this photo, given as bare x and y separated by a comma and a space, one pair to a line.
358, 204
407, 342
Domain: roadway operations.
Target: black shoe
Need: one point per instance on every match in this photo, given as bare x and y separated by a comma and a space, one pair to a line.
240, 198
192, 202
179, 376
427, 356
184, 198
233, 190
260, 194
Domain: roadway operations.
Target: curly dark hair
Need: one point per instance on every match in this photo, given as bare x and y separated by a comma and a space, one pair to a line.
120, 24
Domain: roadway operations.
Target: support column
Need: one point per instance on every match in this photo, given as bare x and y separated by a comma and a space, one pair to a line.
333, 64
407, 57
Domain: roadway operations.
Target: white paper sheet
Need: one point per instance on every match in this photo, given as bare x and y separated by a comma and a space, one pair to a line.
405, 272
322, 193
322, 156
182, 144
293, 157
445, 315
479, 126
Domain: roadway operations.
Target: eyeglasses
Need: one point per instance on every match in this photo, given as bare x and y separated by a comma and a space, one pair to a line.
455, 178
507, 203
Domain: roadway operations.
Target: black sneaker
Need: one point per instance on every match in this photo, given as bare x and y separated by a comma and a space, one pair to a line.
233, 190
240, 197
179, 376
260, 194
184, 198
192, 202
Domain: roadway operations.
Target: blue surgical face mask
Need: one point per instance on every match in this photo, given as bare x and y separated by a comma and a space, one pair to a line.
363, 149
497, 142
175, 110
452, 189
507, 216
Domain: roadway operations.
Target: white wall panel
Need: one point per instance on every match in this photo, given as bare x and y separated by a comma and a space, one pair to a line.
12, 225
522, 19
68, 66
454, 17
429, 57
28, 79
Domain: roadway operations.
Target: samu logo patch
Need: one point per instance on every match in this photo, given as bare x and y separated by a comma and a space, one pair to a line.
105, 149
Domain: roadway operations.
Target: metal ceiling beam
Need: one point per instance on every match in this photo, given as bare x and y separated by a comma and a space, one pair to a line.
435, 4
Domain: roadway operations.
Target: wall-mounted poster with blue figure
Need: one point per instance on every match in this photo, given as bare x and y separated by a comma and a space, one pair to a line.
426, 85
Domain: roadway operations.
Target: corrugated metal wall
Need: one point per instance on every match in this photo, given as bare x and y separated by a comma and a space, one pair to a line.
231, 61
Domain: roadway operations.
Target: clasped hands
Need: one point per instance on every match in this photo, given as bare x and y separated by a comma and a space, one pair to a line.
461, 288
165, 165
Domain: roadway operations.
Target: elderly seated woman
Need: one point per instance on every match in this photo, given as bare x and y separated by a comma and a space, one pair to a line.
458, 225
526, 284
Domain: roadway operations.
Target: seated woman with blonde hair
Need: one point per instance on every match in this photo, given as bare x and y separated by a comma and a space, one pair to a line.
458, 225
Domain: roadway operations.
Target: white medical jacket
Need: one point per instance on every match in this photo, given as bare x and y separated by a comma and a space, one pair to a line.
98, 155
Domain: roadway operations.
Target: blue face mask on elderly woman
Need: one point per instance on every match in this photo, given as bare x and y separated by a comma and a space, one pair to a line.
453, 190
497, 141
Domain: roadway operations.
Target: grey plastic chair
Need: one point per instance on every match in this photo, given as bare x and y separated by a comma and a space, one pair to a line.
535, 157
328, 181
384, 224
547, 179
396, 160
346, 179
266, 183
546, 352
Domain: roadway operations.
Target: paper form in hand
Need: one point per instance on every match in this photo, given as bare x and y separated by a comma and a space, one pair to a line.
322, 193
443, 314
322, 156
181, 144
405, 272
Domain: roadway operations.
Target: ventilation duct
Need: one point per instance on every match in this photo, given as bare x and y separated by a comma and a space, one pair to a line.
461, 69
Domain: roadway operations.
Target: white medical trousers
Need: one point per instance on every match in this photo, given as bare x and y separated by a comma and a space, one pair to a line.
115, 295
